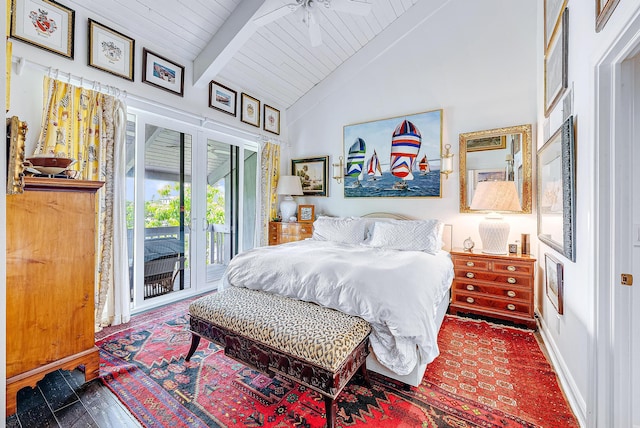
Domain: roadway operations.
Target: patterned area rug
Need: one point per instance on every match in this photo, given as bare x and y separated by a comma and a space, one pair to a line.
486, 376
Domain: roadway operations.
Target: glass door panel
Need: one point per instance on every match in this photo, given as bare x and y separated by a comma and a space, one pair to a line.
167, 212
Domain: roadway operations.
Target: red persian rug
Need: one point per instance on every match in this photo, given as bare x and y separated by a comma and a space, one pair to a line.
486, 376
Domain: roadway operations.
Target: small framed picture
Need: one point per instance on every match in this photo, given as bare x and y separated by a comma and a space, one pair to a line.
45, 24
110, 50
556, 66
554, 281
271, 120
222, 98
487, 143
513, 248
250, 112
313, 172
306, 213
163, 73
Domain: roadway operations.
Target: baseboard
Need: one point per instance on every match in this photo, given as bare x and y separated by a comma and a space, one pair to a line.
575, 399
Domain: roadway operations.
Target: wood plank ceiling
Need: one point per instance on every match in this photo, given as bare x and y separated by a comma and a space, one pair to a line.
217, 40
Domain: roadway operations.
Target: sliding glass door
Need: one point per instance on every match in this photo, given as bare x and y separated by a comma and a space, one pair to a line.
185, 207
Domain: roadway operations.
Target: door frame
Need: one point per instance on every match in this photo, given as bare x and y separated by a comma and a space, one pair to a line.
610, 397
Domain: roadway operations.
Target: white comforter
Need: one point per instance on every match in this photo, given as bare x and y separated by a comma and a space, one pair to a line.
395, 291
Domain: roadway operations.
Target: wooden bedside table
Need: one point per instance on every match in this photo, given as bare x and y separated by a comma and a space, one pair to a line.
498, 286
281, 232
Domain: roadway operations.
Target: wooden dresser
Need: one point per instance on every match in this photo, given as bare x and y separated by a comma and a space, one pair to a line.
50, 281
498, 286
281, 232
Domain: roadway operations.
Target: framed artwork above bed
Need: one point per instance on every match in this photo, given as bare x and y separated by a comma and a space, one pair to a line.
398, 157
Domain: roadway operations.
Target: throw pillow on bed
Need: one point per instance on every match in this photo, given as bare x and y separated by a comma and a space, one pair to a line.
408, 235
348, 230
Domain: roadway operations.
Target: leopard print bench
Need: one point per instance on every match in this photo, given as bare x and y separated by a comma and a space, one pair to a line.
315, 346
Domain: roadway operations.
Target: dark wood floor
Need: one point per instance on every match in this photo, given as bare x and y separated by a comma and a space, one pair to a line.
62, 399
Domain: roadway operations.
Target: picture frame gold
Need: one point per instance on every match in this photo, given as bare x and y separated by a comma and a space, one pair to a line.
552, 12
45, 24
604, 10
306, 213
556, 65
249, 110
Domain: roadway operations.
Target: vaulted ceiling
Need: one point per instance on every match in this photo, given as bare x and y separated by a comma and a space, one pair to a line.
274, 62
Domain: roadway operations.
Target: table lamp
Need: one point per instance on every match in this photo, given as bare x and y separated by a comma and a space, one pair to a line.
288, 186
495, 196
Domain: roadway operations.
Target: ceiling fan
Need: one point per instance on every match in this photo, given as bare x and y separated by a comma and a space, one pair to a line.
309, 17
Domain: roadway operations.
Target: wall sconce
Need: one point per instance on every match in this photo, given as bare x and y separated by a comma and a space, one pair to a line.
338, 170
446, 161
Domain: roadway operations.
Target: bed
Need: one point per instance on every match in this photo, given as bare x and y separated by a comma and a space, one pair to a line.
387, 269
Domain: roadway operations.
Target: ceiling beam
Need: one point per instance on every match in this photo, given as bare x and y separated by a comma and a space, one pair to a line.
228, 40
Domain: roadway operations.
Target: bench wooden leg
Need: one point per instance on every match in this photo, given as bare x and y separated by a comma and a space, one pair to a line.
365, 375
195, 341
330, 410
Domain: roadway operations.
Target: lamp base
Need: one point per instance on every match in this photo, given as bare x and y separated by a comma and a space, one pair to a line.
494, 233
288, 208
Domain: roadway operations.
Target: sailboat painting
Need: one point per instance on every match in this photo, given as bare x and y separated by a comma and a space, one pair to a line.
402, 157
373, 167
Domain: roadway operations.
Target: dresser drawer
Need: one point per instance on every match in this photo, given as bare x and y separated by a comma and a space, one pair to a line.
521, 293
508, 306
470, 263
493, 277
512, 267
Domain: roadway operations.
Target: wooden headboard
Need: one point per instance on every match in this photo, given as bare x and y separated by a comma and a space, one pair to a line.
447, 234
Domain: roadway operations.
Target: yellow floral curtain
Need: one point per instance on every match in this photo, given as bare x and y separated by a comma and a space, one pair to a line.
270, 171
88, 126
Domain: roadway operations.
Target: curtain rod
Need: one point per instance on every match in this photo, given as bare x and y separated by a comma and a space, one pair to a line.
21, 62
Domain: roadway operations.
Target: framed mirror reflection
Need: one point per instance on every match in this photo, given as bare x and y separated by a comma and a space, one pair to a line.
501, 154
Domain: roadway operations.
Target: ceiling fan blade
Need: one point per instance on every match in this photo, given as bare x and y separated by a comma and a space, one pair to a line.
314, 30
356, 7
275, 14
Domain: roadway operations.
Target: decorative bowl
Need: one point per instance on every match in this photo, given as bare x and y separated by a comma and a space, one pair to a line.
49, 164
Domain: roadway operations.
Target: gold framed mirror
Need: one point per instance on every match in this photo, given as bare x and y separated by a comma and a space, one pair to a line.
502, 154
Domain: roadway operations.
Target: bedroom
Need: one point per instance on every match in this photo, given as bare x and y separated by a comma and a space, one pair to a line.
492, 56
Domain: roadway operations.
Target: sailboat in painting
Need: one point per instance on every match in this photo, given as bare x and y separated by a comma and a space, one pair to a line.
373, 167
405, 145
355, 160
423, 166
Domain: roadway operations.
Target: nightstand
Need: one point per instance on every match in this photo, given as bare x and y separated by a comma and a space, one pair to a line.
281, 232
498, 286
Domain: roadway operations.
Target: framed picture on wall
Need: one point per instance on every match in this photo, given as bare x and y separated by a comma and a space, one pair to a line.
313, 173
555, 66
250, 110
556, 191
110, 50
222, 98
554, 281
162, 73
45, 24
552, 12
271, 120
604, 9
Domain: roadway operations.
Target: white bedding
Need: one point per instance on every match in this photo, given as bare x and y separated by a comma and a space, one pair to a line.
395, 291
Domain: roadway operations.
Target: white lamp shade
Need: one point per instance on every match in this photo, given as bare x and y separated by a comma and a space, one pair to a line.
495, 196
289, 185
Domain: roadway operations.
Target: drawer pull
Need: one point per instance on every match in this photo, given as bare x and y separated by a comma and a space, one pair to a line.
470, 300
471, 264
470, 275
470, 287
511, 280
511, 307
511, 293
303, 230
511, 268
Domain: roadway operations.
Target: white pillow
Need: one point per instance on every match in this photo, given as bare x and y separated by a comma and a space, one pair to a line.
348, 230
409, 235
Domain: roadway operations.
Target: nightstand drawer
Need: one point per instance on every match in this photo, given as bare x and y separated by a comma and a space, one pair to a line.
512, 267
492, 304
492, 290
282, 232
